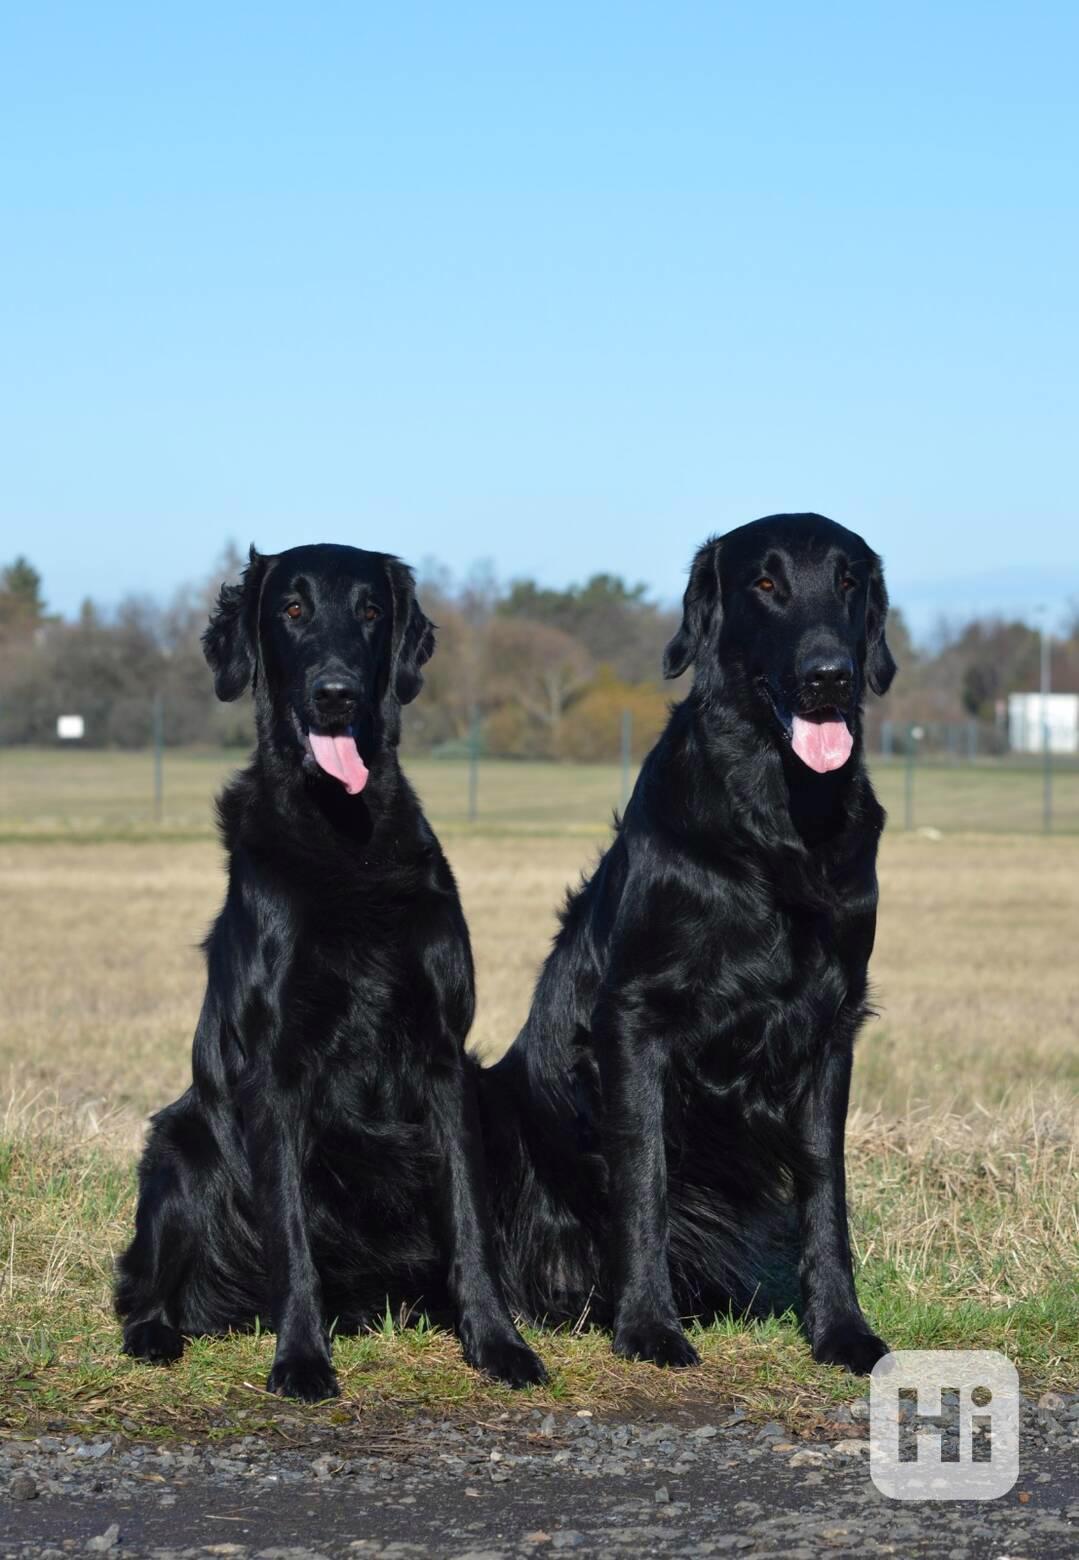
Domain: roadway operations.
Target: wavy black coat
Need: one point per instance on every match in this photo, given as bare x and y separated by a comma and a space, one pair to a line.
326, 1160
666, 1132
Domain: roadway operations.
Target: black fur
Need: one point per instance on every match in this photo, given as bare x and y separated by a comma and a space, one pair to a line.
667, 1130
326, 1160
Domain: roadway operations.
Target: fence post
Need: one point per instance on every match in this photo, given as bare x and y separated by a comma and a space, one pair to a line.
1047, 747
908, 785
627, 752
159, 756
474, 766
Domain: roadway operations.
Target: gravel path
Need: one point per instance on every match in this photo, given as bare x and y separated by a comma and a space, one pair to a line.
526, 1484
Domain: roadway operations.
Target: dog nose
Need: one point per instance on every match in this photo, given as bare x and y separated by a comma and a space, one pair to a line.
829, 676
335, 696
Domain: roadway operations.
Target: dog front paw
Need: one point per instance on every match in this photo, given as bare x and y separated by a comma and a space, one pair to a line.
508, 1359
308, 1377
663, 1343
154, 1341
850, 1344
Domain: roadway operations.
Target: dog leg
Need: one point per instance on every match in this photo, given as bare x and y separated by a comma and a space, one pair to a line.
646, 1322
489, 1339
838, 1332
302, 1366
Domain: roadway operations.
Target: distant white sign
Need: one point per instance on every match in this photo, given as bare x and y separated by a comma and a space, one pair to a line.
1029, 716
70, 727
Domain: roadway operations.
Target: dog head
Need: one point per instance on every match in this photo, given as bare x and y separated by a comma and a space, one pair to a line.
788, 614
332, 640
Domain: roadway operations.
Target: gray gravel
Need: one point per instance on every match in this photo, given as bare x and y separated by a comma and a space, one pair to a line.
525, 1484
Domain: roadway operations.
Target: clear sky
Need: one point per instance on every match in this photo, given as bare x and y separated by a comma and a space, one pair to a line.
564, 287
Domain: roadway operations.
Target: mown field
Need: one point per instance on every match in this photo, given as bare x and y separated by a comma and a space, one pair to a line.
964, 1136
65, 792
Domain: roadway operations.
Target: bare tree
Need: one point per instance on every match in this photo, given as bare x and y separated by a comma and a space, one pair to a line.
535, 667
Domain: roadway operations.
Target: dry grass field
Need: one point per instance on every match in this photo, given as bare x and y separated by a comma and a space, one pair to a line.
964, 1137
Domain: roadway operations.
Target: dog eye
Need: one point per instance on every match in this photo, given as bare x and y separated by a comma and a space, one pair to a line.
371, 613
764, 583
848, 582
294, 610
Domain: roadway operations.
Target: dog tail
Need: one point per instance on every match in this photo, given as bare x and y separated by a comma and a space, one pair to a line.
727, 1261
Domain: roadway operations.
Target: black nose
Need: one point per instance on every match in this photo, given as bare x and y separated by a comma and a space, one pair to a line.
335, 697
828, 677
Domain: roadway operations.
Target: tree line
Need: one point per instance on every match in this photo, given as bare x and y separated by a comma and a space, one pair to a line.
537, 672
540, 673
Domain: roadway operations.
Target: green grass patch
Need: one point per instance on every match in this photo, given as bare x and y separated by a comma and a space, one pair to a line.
68, 1206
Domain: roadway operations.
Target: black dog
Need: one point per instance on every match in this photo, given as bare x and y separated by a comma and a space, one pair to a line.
677, 1098
326, 1160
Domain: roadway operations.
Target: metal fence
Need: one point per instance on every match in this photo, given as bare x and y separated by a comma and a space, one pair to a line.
954, 739
942, 778
1027, 783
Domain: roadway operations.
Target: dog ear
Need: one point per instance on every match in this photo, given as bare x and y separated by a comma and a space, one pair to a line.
700, 611
413, 635
230, 641
880, 665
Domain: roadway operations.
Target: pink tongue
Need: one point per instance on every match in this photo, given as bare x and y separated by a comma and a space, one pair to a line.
822, 744
339, 757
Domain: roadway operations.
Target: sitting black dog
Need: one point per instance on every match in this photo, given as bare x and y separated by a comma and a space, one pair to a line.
668, 1127
326, 1160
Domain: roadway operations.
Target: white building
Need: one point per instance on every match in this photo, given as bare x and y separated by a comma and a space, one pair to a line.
1029, 713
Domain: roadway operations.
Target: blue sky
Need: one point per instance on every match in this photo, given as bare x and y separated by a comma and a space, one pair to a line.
563, 287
